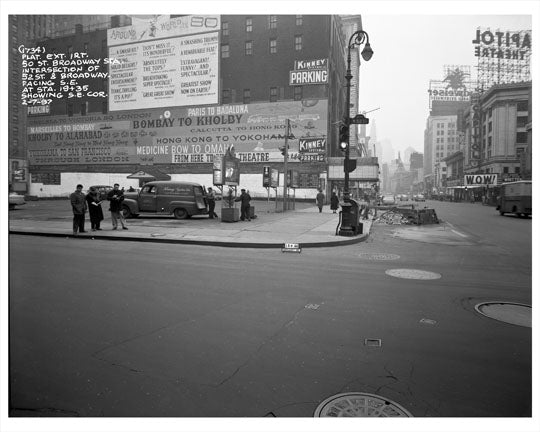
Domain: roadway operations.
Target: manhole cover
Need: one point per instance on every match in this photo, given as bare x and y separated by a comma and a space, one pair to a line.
511, 313
360, 405
379, 256
412, 274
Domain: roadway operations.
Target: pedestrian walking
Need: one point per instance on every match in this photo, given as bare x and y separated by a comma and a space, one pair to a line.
94, 209
211, 198
334, 202
116, 196
320, 200
244, 199
78, 205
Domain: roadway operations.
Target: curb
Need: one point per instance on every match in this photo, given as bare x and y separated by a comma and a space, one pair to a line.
353, 240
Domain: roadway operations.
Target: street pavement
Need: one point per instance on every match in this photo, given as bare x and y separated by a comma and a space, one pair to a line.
304, 226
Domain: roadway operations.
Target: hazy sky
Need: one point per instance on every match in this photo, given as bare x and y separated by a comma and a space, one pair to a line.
411, 50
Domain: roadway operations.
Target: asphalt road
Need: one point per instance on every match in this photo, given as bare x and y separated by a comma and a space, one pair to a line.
125, 329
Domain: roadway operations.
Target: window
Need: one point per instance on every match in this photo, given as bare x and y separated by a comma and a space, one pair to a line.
224, 28
490, 126
226, 96
521, 121
85, 47
273, 94
272, 21
297, 93
273, 46
248, 48
69, 108
104, 107
299, 20
516, 170
225, 51
523, 106
521, 137
84, 108
247, 96
249, 25
298, 43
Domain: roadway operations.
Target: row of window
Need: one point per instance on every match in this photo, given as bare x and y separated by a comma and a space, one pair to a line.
450, 132
229, 95
442, 125
272, 24
272, 47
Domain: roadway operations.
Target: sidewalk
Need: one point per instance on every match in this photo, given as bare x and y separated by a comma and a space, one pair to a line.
306, 227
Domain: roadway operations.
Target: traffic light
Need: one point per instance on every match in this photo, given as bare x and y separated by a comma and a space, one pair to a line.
282, 150
343, 137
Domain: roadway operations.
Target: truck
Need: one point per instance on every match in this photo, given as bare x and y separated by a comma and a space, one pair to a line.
515, 197
177, 198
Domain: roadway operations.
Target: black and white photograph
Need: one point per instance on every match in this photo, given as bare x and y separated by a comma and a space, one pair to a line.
264, 215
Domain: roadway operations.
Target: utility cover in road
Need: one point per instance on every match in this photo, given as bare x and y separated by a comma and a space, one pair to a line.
511, 313
360, 405
412, 274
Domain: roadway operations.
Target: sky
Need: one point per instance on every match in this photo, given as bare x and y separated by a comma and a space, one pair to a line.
409, 51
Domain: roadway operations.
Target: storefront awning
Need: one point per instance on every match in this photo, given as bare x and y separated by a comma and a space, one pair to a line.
149, 174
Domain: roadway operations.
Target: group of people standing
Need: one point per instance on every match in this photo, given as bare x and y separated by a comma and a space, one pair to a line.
334, 201
91, 202
244, 199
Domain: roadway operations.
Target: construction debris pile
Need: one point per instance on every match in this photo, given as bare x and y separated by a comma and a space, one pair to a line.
404, 216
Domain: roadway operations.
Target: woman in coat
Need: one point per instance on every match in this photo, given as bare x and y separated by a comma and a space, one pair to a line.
334, 202
94, 208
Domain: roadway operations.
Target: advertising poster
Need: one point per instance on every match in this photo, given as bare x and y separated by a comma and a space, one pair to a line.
171, 63
178, 135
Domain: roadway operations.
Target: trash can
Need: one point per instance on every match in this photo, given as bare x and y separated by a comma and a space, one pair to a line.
352, 217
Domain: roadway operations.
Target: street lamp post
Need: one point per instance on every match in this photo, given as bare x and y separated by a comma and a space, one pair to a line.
356, 39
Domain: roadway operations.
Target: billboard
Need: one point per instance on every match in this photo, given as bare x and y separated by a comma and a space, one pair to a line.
503, 56
172, 63
456, 86
176, 136
480, 179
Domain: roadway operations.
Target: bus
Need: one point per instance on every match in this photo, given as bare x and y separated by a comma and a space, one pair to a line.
515, 197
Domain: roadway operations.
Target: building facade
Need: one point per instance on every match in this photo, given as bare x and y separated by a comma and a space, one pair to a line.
244, 79
441, 139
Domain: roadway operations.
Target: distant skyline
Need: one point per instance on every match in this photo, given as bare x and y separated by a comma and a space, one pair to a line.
409, 51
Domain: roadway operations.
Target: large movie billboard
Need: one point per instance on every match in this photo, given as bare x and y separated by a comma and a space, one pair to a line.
171, 63
178, 135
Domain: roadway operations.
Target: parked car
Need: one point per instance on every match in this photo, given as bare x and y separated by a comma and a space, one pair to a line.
419, 197
102, 191
15, 199
181, 199
388, 200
